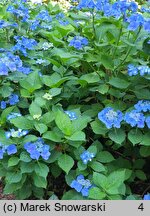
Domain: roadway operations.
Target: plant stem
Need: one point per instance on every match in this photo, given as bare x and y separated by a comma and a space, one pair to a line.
117, 43
93, 25
129, 50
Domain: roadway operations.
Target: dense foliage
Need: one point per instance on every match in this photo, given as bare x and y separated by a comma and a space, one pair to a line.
75, 100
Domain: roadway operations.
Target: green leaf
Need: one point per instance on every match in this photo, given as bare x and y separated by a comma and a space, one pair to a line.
41, 169
104, 157
146, 139
135, 136
96, 194
47, 118
145, 151
55, 91
119, 83
100, 180
141, 175
80, 123
34, 109
26, 168
65, 162
22, 123
97, 167
98, 128
103, 88
14, 177
39, 181
32, 82
6, 112
63, 122
77, 136
42, 128
24, 156
13, 161
53, 136
90, 77
117, 135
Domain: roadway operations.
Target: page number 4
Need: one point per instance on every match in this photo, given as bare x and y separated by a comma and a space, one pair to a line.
141, 207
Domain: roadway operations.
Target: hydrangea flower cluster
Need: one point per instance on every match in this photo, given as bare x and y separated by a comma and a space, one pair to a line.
72, 115
24, 44
13, 115
9, 149
4, 24
81, 185
110, 117
13, 100
134, 118
142, 70
37, 149
87, 156
18, 133
19, 10
146, 197
62, 19
78, 42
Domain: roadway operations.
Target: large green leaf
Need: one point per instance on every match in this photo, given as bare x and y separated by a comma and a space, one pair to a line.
65, 162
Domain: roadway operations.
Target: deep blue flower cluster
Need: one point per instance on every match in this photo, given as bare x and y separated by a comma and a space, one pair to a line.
9, 149
135, 118
37, 149
72, 115
78, 42
62, 19
81, 185
13, 115
12, 63
110, 117
23, 44
18, 133
146, 197
4, 24
19, 10
12, 100
141, 70
87, 156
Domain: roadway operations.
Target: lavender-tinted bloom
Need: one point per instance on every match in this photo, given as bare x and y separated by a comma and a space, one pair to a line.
81, 185
78, 42
13, 99
87, 156
72, 115
143, 106
37, 149
18, 133
135, 118
147, 120
13, 115
3, 104
110, 117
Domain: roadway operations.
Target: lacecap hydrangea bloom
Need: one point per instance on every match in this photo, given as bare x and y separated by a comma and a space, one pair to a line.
72, 115
18, 133
146, 197
142, 106
78, 42
81, 185
9, 149
13, 115
37, 149
87, 156
135, 70
110, 117
135, 118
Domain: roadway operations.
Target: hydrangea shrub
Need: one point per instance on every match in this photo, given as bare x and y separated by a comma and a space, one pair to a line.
75, 100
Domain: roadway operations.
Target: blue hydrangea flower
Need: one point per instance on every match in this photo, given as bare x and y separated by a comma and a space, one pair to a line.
3, 104
13, 99
132, 70
72, 115
13, 115
147, 25
147, 120
18, 133
135, 21
37, 149
141, 70
11, 149
142, 105
110, 117
146, 197
3, 69
87, 156
135, 118
40, 61
23, 44
78, 42
44, 16
81, 185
